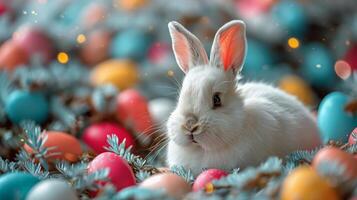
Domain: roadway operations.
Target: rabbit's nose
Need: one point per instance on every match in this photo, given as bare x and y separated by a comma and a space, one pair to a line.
191, 123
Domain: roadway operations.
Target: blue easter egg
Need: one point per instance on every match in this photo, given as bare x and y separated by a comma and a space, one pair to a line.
132, 44
333, 122
15, 186
318, 66
25, 105
290, 16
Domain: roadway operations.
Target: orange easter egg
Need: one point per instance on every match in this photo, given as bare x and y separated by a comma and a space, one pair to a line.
62, 145
297, 87
12, 55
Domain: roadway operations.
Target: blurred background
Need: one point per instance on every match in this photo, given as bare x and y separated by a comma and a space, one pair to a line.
75, 65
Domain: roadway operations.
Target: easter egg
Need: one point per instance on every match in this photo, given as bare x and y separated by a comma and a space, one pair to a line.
291, 16
12, 55
333, 121
34, 41
159, 52
252, 8
136, 192
353, 137
173, 184
304, 183
130, 44
25, 105
351, 58
120, 173
54, 189
160, 109
206, 177
3, 8
333, 154
133, 110
298, 88
96, 47
318, 66
95, 136
15, 186
61, 145
121, 73
130, 5
93, 14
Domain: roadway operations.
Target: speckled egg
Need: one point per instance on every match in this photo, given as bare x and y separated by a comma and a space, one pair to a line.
64, 145
304, 183
53, 189
12, 55
121, 73
120, 173
25, 105
333, 121
333, 154
173, 184
298, 88
95, 135
206, 177
15, 186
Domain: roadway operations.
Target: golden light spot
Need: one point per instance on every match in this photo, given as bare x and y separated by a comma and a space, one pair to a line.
62, 57
293, 43
209, 188
170, 73
81, 38
343, 69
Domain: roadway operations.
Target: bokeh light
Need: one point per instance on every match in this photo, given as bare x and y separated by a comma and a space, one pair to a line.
81, 38
62, 57
343, 69
293, 43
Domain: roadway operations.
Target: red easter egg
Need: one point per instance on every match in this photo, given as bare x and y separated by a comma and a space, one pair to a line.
133, 110
3, 8
34, 41
353, 137
62, 145
158, 52
351, 57
333, 154
95, 136
120, 173
207, 177
96, 48
12, 55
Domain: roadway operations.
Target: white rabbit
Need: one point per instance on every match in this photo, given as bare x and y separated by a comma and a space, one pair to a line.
219, 123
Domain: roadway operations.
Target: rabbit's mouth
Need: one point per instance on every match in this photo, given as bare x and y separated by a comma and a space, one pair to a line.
193, 139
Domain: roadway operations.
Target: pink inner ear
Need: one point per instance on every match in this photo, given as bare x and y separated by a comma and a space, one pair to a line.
231, 47
182, 50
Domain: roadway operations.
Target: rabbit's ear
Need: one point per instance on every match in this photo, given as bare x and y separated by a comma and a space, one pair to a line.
229, 46
187, 48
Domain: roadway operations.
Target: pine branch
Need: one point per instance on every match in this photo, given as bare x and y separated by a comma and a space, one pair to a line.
8, 166
186, 174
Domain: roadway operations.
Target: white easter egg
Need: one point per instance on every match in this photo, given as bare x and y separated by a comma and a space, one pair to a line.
160, 109
54, 189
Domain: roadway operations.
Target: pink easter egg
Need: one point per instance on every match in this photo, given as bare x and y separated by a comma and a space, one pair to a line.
120, 173
132, 109
207, 177
158, 52
252, 8
34, 41
95, 135
12, 55
353, 137
96, 48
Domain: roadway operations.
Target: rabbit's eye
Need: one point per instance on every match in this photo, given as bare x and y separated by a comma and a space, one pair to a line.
216, 100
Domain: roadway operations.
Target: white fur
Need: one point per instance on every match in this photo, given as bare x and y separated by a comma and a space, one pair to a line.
256, 121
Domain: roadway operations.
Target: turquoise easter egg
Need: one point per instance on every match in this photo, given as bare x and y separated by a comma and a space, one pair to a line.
318, 66
333, 122
15, 186
290, 16
130, 44
26, 105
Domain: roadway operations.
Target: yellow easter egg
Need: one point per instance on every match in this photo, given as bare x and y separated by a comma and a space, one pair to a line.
304, 183
130, 5
297, 87
121, 73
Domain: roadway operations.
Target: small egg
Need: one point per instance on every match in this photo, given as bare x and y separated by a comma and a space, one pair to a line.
353, 137
95, 135
333, 154
63, 145
297, 87
304, 183
25, 105
120, 173
173, 184
54, 189
130, 5
96, 47
12, 55
333, 121
15, 186
34, 41
206, 177
133, 110
160, 109
159, 52
121, 73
